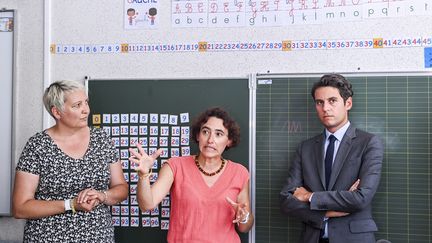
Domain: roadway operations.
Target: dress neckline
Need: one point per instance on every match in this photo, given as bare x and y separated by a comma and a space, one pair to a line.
218, 181
63, 152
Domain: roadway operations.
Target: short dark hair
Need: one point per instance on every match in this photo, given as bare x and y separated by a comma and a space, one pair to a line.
337, 81
228, 122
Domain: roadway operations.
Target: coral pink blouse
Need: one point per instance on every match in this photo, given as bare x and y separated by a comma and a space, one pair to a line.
199, 213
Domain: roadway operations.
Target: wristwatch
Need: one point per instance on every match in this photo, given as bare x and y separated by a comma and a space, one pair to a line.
67, 205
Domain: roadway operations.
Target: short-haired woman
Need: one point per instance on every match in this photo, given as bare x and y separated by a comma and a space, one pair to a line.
68, 174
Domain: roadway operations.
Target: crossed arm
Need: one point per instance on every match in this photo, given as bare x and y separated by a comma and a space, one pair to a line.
304, 195
296, 195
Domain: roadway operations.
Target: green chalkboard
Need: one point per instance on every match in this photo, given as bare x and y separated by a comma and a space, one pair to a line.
116, 105
396, 108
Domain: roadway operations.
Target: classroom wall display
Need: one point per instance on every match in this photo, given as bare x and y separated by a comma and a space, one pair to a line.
238, 46
158, 114
337, 36
167, 131
395, 107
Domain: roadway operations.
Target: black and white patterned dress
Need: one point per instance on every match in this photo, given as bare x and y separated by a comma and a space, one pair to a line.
62, 177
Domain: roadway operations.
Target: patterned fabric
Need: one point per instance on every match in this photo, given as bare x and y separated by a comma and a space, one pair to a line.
62, 177
199, 213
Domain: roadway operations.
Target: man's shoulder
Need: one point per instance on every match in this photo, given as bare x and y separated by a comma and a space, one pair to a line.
356, 132
360, 136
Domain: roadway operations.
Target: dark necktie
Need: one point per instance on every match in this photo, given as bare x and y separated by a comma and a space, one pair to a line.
329, 159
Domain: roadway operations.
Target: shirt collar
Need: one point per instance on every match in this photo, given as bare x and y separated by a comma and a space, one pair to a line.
339, 133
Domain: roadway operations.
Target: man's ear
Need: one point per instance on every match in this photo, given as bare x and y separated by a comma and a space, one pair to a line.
348, 103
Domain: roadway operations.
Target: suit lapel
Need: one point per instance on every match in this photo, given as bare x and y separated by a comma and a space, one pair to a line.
319, 158
342, 153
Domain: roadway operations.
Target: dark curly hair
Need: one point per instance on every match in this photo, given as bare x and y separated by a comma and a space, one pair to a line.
337, 81
228, 122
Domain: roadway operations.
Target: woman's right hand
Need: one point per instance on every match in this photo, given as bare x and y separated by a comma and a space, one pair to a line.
142, 159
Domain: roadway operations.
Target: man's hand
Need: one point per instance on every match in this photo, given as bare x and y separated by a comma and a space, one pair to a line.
355, 185
335, 214
302, 194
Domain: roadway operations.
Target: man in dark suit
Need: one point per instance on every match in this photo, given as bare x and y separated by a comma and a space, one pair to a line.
332, 194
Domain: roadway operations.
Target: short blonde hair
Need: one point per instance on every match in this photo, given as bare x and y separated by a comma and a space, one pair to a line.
55, 94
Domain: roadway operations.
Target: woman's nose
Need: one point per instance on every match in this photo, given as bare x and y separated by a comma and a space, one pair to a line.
86, 109
210, 138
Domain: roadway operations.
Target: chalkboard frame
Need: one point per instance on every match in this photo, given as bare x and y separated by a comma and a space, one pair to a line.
99, 98
266, 78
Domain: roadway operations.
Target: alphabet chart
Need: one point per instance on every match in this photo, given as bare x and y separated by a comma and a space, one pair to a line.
240, 13
170, 132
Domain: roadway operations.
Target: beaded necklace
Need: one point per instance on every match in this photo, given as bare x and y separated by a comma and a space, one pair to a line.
205, 172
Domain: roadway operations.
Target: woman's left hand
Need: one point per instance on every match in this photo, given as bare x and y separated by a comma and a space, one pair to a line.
240, 209
97, 196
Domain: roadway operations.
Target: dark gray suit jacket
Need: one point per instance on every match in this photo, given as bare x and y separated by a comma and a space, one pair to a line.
359, 156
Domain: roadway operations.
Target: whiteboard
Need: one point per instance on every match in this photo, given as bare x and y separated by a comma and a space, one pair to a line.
6, 80
82, 23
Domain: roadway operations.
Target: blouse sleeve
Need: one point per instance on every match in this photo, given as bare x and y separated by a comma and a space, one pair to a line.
30, 157
173, 164
244, 175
